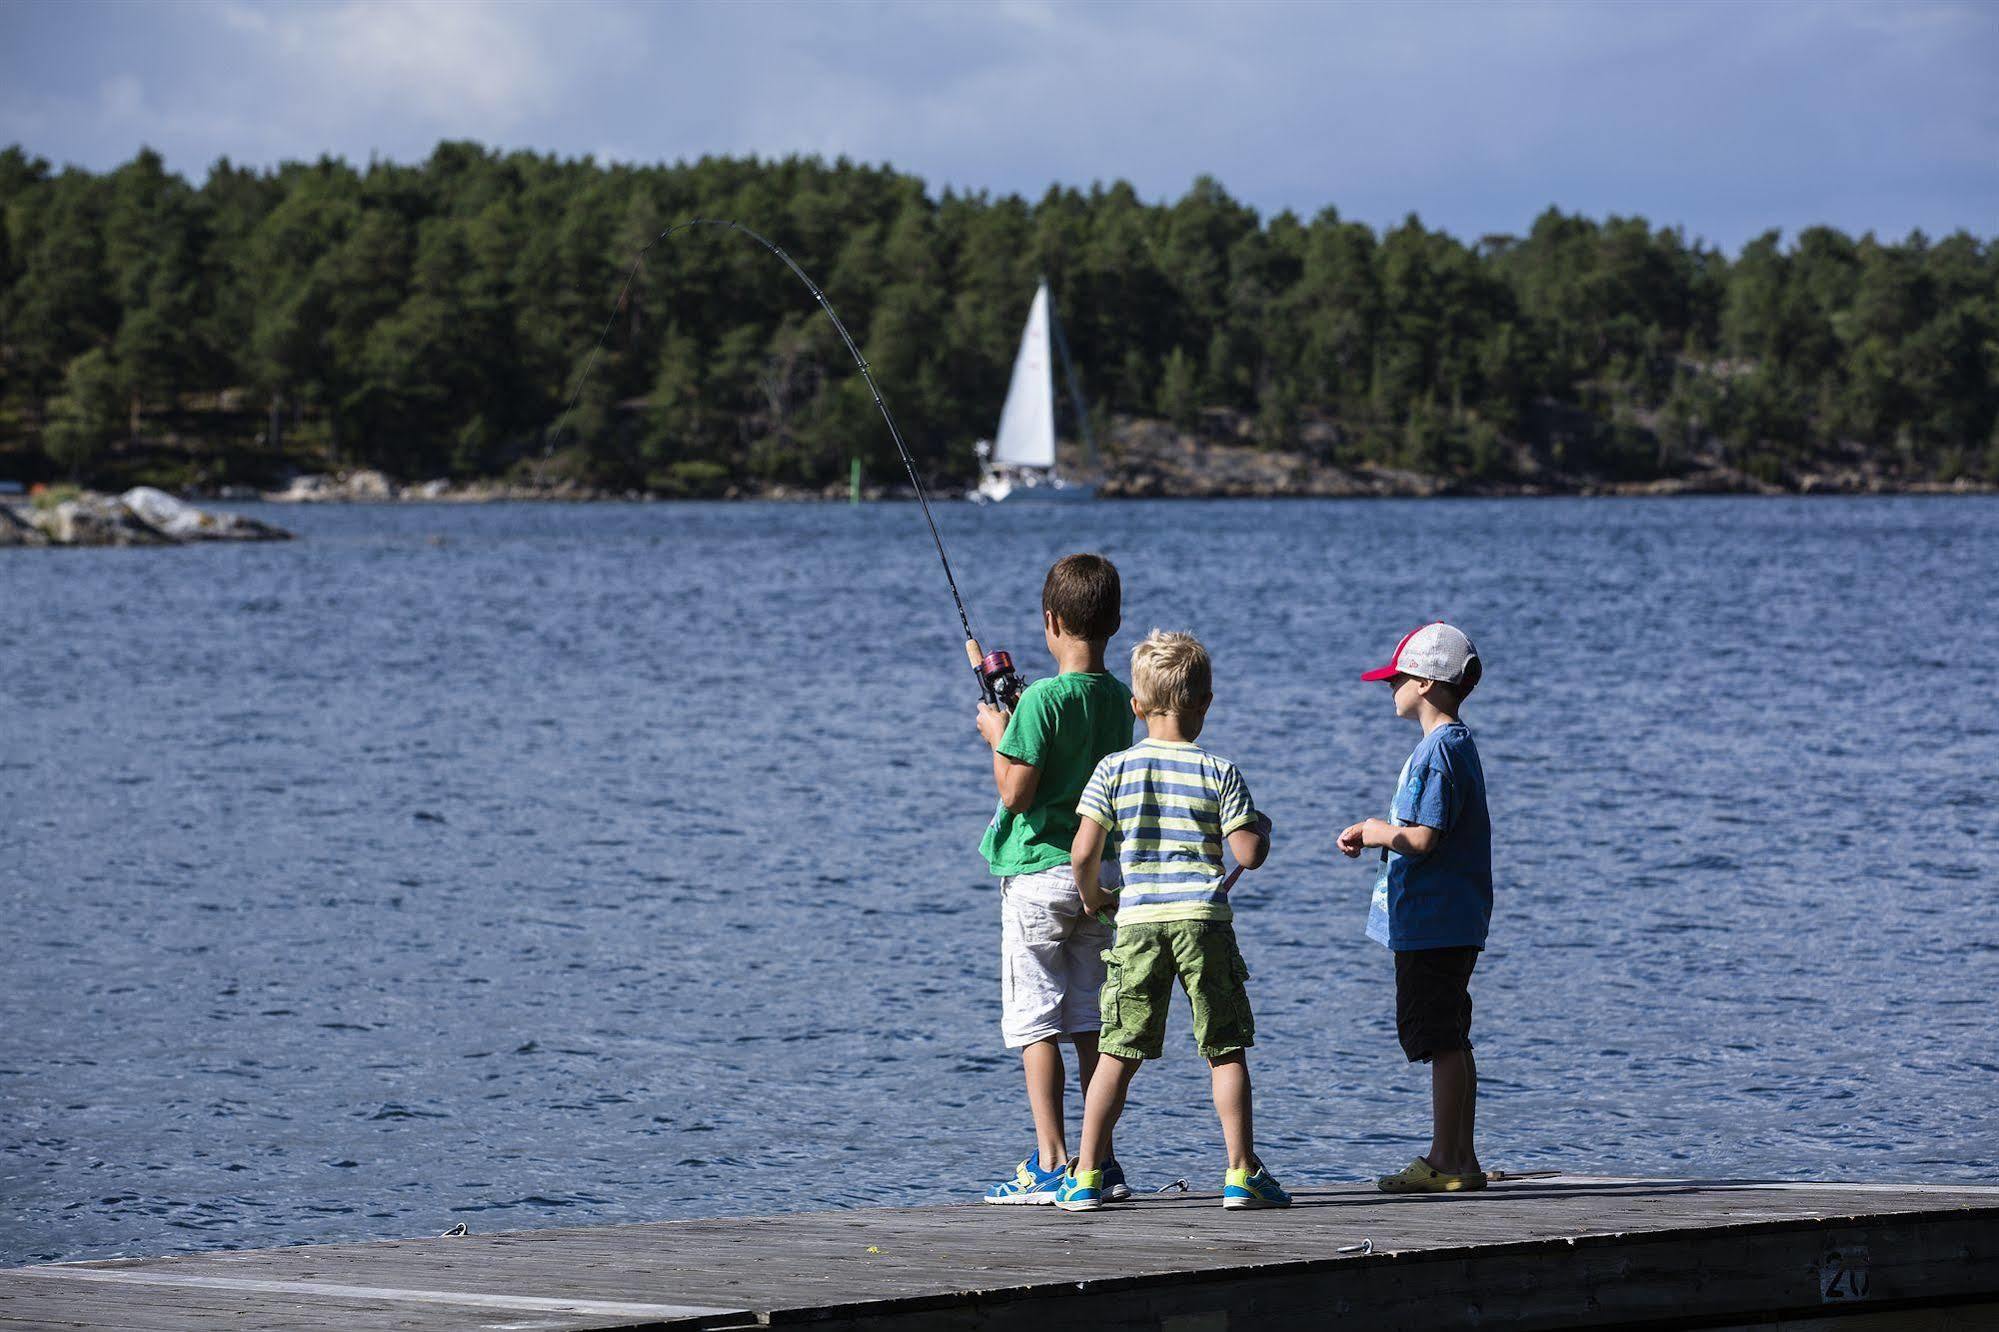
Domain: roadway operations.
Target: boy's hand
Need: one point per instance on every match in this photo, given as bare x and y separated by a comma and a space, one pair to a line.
992, 724
1353, 841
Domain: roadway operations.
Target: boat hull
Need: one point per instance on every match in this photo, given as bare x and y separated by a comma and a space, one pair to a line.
1031, 488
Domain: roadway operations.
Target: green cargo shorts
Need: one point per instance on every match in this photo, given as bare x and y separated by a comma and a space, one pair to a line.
1203, 957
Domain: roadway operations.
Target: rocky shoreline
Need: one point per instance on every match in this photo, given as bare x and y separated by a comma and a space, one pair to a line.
142, 516
1287, 476
1166, 465
1155, 460
1143, 458
367, 486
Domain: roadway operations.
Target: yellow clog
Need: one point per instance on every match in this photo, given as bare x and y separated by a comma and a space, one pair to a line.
1419, 1176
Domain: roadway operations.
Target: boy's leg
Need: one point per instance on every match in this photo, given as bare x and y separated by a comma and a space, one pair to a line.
1453, 1109
1451, 1089
1086, 1076
1101, 1108
1214, 976
1230, 1076
1042, 1063
1224, 1029
1082, 1007
1465, 1146
1086, 1059
1034, 981
1433, 1020
1132, 1016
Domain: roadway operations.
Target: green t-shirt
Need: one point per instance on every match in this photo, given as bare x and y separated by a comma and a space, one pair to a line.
1062, 726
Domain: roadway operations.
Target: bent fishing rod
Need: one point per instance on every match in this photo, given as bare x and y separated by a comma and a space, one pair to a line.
999, 683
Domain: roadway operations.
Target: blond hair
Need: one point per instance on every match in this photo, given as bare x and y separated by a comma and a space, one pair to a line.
1170, 672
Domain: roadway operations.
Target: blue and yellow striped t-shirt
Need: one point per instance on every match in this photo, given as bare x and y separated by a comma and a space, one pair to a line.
1167, 806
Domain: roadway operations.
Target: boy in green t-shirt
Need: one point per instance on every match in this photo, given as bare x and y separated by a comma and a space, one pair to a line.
1051, 949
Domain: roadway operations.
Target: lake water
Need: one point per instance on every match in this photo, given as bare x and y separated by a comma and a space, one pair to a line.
526, 866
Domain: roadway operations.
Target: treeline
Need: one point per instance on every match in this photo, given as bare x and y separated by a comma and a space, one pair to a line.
431, 319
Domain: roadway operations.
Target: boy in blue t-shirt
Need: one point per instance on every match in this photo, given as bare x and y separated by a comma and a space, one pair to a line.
1433, 898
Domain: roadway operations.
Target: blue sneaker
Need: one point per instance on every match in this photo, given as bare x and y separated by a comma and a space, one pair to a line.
1252, 1188
1115, 1189
1030, 1184
1081, 1191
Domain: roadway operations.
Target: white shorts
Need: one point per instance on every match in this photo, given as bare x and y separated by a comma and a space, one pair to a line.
1051, 959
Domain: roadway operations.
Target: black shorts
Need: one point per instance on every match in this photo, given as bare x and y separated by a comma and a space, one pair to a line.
1433, 1001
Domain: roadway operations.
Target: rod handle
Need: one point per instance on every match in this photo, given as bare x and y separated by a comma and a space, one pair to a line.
974, 653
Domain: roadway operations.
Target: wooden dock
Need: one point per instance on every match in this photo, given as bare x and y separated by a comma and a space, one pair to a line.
1546, 1253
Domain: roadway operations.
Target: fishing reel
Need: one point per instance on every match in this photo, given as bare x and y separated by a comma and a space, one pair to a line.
999, 683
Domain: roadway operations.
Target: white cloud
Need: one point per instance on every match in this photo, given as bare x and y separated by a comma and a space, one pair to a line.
242, 17
468, 61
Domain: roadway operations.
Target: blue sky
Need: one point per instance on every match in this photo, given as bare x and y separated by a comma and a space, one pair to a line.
1726, 119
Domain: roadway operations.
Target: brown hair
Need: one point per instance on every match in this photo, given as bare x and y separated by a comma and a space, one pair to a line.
1083, 594
1460, 688
1473, 673
1170, 673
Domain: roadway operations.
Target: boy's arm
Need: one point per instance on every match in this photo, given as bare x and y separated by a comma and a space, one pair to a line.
1017, 781
1415, 839
1246, 827
1424, 806
1086, 855
1250, 845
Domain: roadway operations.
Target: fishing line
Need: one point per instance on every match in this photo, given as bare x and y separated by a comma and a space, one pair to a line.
908, 463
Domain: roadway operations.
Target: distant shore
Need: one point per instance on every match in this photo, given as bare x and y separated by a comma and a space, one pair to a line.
1148, 459
367, 487
1142, 458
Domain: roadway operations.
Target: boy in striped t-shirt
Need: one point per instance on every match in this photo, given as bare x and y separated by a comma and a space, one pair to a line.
1168, 806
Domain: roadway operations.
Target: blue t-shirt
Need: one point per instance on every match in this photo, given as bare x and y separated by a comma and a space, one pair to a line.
1444, 899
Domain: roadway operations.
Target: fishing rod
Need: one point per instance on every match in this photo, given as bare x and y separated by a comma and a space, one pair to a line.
999, 683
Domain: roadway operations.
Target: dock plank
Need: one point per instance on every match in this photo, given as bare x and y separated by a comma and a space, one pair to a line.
1538, 1253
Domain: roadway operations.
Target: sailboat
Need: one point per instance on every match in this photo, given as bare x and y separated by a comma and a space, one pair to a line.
1020, 464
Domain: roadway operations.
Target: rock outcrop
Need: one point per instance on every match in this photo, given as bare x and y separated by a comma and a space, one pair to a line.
1151, 459
183, 522
365, 486
371, 487
18, 531
140, 517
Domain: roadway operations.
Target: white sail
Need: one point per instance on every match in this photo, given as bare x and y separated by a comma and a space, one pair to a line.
1027, 422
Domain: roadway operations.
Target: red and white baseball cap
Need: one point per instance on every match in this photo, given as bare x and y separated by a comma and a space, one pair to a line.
1435, 652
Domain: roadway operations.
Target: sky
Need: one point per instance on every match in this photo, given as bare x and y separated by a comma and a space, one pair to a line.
1726, 119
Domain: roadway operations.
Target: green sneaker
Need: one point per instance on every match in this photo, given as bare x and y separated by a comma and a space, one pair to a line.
1252, 1188
1080, 1191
